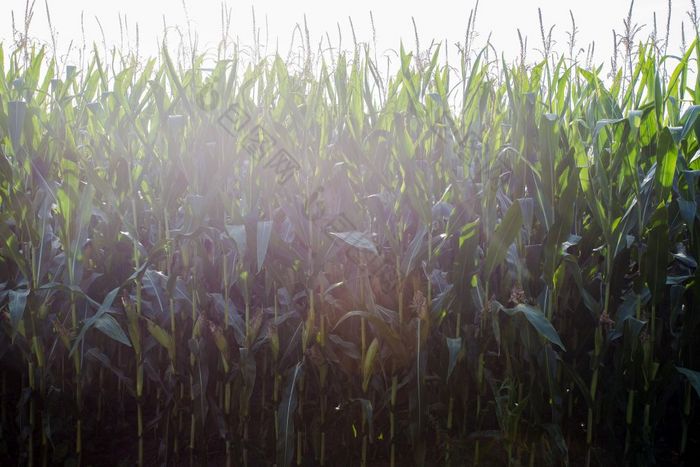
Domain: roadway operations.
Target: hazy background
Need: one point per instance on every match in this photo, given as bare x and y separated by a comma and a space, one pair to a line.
435, 19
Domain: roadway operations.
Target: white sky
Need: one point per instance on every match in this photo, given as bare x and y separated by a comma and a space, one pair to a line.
436, 19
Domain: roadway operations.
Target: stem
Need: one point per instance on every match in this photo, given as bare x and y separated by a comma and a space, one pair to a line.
78, 390
30, 438
394, 377
138, 354
323, 374
243, 410
193, 420
597, 350
451, 403
227, 387
392, 419
480, 373
277, 376
686, 418
3, 400
363, 338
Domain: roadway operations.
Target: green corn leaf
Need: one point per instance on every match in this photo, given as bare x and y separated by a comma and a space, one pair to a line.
368, 363
416, 249
505, 234
248, 371
263, 240
105, 361
689, 118
286, 436
537, 320
667, 156
238, 234
359, 240
111, 328
368, 414
454, 346
17, 114
18, 302
693, 378
103, 309
381, 327
656, 256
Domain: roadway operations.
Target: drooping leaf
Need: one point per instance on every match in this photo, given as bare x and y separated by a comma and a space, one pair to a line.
693, 378
357, 239
538, 321
153, 283
105, 361
103, 308
111, 328
286, 438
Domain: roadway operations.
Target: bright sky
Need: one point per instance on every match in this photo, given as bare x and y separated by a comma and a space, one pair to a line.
436, 19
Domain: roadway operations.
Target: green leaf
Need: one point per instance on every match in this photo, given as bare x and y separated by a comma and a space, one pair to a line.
104, 308
688, 210
538, 321
656, 255
248, 371
357, 239
690, 116
153, 283
693, 378
503, 237
286, 439
369, 417
381, 328
96, 354
454, 346
667, 156
263, 240
415, 249
17, 113
368, 363
109, 326
18, 302
237, 233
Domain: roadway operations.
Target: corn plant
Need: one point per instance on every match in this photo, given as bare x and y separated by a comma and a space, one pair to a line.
254, 264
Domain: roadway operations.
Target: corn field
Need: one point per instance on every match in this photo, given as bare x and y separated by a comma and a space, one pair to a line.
253, 264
